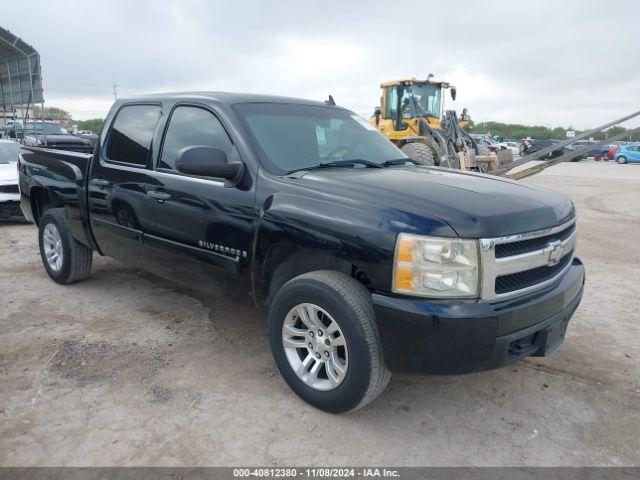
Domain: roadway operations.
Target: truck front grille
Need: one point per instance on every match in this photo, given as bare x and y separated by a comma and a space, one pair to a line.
9, 188
529, 245
519, 263
528, 278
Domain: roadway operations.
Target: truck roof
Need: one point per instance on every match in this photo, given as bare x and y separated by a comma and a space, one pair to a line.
224, 97
412, 80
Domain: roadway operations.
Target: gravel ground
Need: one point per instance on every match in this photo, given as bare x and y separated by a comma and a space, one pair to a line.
128, 368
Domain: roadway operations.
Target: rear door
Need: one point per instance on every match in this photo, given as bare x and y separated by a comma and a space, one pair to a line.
199, 218
119, 181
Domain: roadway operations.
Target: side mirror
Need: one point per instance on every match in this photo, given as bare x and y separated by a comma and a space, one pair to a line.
376, 114
207, 161
454, 92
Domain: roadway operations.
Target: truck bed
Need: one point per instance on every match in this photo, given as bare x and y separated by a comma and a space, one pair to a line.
57, 178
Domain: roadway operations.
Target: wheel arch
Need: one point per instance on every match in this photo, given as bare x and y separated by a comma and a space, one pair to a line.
285, 262
43, 199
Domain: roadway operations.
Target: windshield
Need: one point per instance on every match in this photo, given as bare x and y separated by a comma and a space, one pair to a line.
9, 152
45, 128
421, 99
291, 137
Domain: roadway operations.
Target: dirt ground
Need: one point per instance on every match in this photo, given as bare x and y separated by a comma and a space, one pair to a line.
128, 368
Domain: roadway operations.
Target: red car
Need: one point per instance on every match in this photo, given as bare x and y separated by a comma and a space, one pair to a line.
609, 154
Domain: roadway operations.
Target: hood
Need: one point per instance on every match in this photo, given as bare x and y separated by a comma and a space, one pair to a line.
8, 172
474, 205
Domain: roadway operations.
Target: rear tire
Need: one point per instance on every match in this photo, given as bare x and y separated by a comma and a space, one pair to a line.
419, 152
621, 159
64, 258
327, 298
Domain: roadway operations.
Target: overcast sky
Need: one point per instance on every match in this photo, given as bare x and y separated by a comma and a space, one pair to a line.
569, 63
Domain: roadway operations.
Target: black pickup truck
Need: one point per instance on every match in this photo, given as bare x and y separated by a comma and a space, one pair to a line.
50, 134
364, 262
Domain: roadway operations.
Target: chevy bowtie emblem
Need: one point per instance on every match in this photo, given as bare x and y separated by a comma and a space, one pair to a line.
556, 252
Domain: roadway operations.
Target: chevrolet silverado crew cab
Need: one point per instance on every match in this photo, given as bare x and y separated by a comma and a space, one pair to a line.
363, 261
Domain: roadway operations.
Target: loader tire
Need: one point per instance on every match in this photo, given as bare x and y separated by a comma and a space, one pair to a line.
419, 152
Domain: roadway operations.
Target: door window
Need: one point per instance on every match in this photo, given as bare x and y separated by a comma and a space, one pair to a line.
131, 134
191, 126
391, 103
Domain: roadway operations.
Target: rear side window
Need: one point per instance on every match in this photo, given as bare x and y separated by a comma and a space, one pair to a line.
131, 134
191, 126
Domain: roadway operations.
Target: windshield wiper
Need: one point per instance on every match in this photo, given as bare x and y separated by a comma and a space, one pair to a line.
338, 164
399, 161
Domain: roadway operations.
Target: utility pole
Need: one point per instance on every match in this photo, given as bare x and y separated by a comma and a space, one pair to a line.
115, 91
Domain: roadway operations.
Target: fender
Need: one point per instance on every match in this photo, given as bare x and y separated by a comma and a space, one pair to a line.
300, 234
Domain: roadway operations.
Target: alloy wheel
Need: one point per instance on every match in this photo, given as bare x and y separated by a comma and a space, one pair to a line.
52, 247
315, 347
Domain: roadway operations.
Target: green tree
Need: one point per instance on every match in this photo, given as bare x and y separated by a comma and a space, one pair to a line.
517, 131
95, 124
615, 130
54, 113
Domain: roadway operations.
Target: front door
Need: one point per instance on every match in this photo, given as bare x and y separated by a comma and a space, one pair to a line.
197, 218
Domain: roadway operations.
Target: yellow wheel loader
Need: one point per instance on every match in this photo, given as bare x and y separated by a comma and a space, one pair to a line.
413, 117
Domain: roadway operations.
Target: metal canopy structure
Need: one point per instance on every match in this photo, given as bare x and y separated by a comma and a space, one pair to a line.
20, 75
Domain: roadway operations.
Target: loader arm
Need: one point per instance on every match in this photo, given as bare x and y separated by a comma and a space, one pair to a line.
564, 143
566, 157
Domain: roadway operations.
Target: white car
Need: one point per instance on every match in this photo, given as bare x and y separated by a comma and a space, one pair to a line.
9, 192
513, 146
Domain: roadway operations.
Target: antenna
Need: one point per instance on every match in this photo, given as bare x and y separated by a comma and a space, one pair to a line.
115, 91
330, 102
430, 76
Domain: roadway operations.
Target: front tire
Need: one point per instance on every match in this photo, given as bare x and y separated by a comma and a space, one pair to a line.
419, 152
325, 341
622, 159
64, 258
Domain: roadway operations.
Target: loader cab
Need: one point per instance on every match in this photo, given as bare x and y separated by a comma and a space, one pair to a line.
404, 103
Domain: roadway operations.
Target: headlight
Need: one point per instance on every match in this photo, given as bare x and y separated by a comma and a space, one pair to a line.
435, 266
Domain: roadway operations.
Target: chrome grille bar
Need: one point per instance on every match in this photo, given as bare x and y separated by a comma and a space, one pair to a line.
549, 255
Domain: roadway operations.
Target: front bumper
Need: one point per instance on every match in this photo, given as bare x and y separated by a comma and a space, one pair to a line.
10, 210
451, 337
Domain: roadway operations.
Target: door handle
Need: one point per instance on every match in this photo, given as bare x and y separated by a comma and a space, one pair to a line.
100, 182
158, 196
